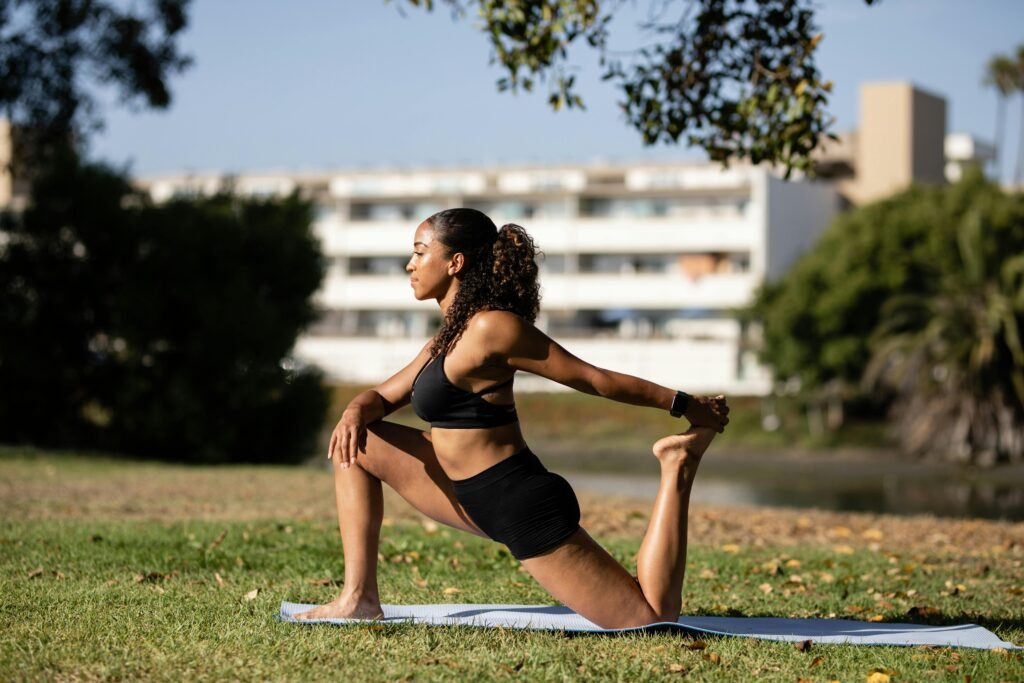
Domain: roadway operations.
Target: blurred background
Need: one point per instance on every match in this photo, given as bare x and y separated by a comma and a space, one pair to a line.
816, 208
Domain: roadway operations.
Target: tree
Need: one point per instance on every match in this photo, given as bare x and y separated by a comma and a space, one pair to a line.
1000, 74
734, 77
954, 357
157, 330
1018, 72
923, 282
50, 49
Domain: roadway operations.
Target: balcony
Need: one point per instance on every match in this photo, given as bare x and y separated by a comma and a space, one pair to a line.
586, 291
702, 232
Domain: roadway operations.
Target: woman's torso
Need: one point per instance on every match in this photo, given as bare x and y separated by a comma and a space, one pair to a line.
464, 452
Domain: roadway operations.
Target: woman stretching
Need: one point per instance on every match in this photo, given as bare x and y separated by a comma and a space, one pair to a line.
473, 470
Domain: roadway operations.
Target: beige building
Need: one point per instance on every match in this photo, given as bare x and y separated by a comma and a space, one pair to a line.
901, 139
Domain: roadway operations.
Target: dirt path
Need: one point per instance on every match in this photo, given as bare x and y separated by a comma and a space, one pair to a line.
65, 487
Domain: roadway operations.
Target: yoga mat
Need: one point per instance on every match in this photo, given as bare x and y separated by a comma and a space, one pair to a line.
557, 618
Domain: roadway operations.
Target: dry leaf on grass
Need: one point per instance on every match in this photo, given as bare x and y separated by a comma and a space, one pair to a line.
675, 669
923, 612
324, 582
38, 571
451, 591
219, 578
217, 541
697, 645
713, 657
804, 645
251, 595
815, 662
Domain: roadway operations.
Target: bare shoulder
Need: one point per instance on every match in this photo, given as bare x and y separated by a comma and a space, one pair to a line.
497, 331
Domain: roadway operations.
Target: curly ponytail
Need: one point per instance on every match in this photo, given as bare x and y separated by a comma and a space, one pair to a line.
500, 272
515, 272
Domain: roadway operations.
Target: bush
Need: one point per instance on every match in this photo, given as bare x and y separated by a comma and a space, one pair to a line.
158, 330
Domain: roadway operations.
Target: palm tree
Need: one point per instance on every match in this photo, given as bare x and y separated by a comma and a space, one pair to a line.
1001, 73
1019, 74
955, 357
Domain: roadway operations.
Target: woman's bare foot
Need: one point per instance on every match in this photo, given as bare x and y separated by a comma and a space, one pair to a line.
684, 450
344, 607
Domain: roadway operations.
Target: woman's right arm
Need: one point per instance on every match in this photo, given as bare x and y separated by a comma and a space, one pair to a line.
372, 405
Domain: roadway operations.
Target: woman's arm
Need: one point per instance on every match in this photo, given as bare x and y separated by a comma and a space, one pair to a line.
523, 347
349, 434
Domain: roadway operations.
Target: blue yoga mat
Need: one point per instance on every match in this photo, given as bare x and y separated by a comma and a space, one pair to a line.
556, 618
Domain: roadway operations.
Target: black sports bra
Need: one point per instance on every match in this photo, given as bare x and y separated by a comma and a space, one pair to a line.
439, 402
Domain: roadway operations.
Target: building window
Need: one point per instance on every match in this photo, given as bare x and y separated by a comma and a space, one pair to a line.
377, 265
392, 211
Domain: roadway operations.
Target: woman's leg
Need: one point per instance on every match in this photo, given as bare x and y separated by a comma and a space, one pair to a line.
584, 577
403, 458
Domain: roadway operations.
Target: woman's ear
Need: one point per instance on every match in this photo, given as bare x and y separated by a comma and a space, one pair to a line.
457, 263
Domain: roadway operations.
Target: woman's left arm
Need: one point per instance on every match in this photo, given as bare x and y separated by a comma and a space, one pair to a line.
523, 347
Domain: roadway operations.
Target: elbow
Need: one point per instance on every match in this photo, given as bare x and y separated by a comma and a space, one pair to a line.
599, 383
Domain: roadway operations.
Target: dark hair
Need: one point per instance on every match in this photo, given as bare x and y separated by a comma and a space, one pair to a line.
500, 273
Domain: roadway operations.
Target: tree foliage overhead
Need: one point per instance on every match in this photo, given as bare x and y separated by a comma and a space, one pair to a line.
919, 297
51, 51
158, 330
735, 77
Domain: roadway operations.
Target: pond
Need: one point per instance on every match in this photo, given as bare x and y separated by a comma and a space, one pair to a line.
831, 483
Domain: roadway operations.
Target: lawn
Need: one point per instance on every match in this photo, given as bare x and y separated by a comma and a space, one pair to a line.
124, 570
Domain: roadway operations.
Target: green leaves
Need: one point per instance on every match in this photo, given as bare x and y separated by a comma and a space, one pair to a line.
919, 297
47, 48
157, 330
734, 77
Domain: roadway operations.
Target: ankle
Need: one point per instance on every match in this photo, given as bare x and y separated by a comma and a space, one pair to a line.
359, 594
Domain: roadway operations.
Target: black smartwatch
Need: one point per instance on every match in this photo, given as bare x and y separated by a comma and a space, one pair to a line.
679, 404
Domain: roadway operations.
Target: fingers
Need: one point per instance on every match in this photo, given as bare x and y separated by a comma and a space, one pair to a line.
350, 448
331, 446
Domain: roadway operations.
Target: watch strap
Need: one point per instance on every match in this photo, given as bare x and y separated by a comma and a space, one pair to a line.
680, 403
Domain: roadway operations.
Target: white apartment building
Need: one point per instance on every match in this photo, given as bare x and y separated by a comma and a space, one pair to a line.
644, 265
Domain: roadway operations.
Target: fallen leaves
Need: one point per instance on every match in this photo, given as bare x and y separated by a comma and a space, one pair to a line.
38, 571
923, 612
251, 595
765, 588
803, 645
327, 581
217, 541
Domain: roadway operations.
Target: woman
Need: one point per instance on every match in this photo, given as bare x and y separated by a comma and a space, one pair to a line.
473, 470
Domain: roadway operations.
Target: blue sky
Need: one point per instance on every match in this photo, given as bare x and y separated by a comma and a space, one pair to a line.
316, 84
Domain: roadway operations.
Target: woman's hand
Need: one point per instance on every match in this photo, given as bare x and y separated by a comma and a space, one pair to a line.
348, 436
707, 411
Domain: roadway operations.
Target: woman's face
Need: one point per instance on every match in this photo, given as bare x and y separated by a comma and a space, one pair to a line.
431, 273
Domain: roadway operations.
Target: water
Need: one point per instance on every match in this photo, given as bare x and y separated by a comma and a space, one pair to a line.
883, 487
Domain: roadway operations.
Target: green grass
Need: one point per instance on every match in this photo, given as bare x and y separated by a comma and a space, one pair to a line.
93, 594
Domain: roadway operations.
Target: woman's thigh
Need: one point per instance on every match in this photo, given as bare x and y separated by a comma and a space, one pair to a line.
585, 578
404, 459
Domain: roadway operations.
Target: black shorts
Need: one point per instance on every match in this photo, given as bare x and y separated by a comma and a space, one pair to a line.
519, 503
